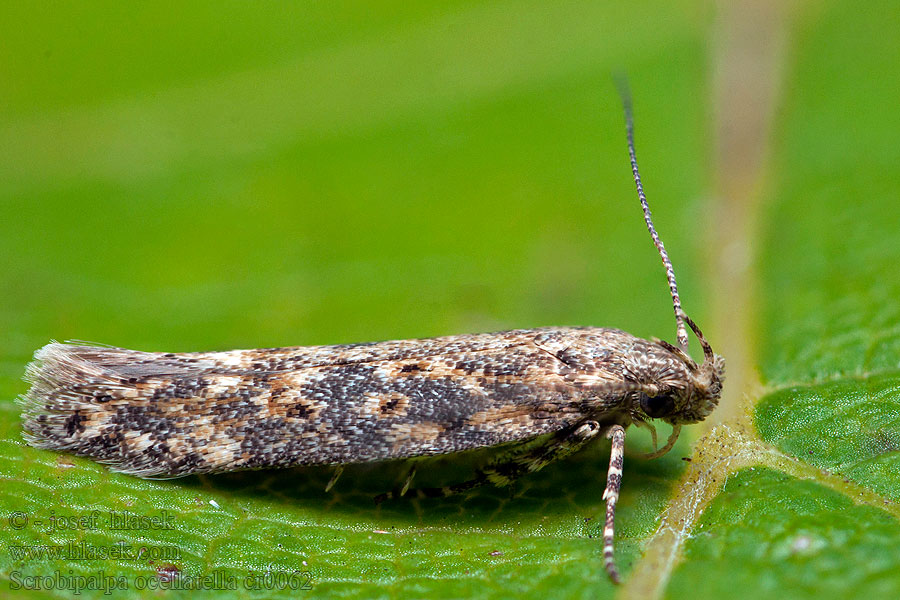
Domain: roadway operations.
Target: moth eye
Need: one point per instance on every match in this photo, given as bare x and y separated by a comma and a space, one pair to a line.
657, 406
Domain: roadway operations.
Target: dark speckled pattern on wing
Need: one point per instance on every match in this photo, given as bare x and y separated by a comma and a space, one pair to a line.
168, 415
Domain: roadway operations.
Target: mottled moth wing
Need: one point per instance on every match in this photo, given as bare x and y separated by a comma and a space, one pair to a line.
169, 415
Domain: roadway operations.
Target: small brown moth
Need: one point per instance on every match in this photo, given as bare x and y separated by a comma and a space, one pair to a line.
544, 393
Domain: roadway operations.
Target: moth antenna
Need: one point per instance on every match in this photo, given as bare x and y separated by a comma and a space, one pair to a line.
682, 336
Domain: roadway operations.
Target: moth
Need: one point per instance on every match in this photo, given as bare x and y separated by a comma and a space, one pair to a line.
542, 393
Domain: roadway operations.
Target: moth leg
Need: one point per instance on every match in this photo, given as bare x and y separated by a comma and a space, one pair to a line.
519, 461
409, 478
397, 492
506, 469
338, 470
616, 433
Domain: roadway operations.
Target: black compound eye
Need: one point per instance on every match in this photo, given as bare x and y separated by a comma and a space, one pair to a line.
657, 406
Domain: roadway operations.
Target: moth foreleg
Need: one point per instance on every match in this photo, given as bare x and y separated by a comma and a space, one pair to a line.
616, 433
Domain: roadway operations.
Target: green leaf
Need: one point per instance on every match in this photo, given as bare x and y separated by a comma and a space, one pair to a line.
850, 427
790, 536
219, 175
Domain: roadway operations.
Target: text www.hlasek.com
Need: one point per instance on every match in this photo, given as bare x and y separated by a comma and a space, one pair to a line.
84, 551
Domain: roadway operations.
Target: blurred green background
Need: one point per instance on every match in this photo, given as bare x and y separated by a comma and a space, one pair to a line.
217, 175
197, 176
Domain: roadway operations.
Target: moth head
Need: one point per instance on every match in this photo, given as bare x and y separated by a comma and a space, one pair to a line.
689, 396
